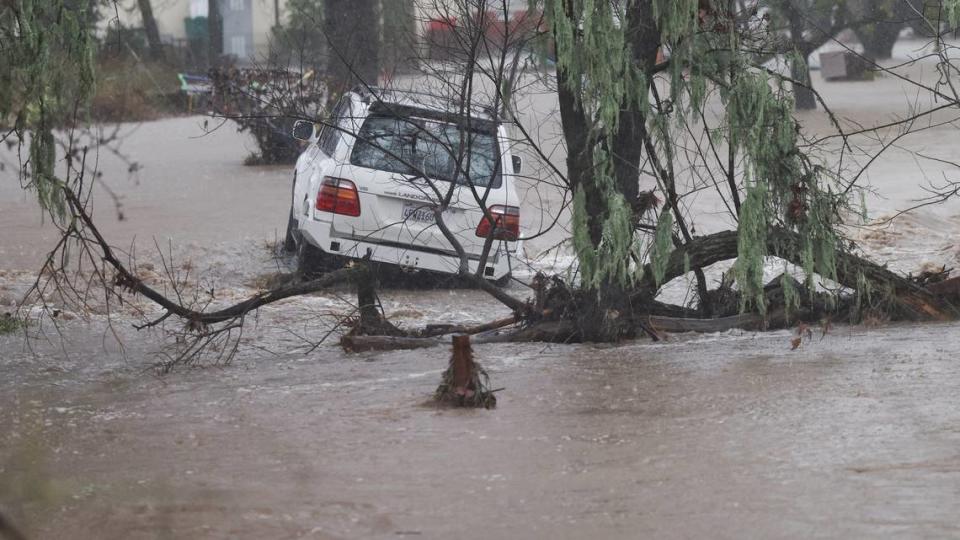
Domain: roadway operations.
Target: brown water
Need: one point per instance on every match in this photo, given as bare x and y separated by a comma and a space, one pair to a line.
729, 436
855, 435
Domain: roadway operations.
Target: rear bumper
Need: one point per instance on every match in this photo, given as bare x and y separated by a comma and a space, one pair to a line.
440, 259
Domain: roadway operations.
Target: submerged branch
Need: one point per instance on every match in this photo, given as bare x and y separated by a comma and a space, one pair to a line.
125, 278
909, 300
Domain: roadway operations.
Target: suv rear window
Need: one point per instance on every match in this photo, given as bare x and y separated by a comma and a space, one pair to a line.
411, 144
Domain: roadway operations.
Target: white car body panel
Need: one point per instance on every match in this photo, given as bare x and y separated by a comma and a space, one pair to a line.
381, 229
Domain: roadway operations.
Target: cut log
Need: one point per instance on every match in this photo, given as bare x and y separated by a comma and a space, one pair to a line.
462, 365
465, 383
442, 329
352, 343
8, 531
566, 331
749, 321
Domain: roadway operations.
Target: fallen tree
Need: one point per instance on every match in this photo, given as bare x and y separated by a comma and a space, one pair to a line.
620, 132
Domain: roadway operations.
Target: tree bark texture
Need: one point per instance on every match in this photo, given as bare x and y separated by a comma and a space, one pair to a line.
878, 39
883, 21
804, 98
214, 31
353, 32
602, 315
150, 27
803, 95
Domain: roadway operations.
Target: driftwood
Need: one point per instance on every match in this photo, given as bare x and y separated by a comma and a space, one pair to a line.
432, 330
465, 383
357, 343
565, 331
126, 279
747, 321
903, 299
540, 321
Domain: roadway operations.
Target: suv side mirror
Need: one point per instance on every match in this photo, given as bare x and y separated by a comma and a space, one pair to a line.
517, 164
303, 130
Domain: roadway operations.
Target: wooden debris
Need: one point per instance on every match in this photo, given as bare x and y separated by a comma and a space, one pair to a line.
465, 383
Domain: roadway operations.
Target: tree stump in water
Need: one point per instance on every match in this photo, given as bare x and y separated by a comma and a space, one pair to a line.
465, 383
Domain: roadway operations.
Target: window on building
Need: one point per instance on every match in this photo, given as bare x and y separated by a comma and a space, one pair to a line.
236, 5
198, 8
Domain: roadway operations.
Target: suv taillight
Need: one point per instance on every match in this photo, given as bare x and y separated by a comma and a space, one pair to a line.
506, 225
338, 196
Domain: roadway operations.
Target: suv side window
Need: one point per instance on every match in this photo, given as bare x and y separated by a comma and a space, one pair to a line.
331, 135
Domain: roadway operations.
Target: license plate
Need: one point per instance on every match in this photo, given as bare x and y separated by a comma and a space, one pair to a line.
418, 212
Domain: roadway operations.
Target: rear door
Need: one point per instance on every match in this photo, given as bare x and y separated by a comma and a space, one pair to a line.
319, 157
407, 166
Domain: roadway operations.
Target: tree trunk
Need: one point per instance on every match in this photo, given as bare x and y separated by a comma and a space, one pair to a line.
878, 39
576, 130
353, 31
370, 321
886, 18
804, 98
150, 27
399, 36
603, 315
215, 32
643, 38
803, 93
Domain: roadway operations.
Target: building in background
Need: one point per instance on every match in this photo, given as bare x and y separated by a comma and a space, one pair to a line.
247, 24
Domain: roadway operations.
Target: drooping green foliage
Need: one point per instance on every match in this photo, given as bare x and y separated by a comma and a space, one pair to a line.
779, 185
781, 189
46, 78
592, 47
662, 246
610, 261
791, 298
752, 246
951, 9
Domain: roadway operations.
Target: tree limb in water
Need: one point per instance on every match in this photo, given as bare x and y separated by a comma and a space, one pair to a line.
125, 278
910, 301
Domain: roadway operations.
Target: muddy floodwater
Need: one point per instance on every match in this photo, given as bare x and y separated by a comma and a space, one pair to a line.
718, 436
854, 434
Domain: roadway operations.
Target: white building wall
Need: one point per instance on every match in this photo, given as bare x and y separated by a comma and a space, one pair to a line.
171, 14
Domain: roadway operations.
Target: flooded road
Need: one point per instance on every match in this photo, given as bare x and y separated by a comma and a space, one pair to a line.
723, 436
856, 434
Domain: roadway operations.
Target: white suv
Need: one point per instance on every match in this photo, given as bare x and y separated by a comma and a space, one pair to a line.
369, 182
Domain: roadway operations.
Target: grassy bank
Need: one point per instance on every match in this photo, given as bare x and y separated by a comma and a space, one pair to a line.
135, 91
